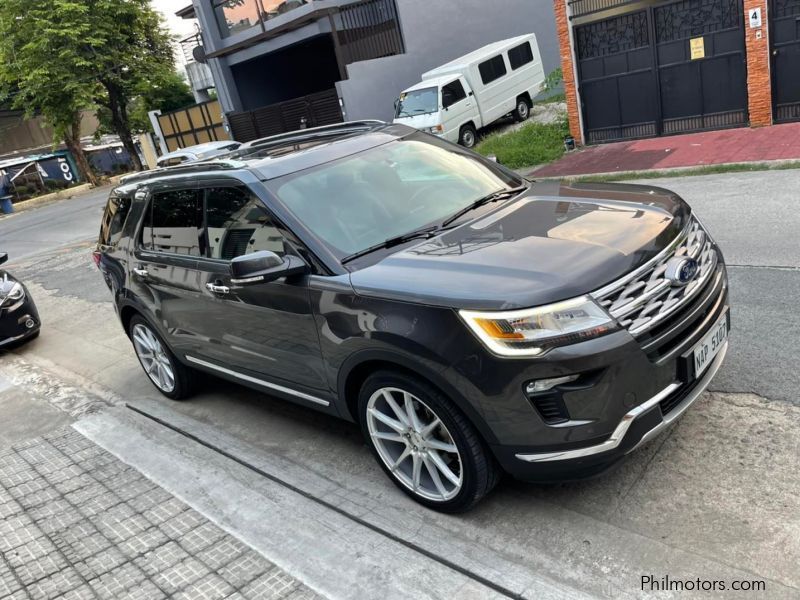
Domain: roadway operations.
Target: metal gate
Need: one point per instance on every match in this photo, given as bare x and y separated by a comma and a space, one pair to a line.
784, 16
313, 110
193, 125
662, 69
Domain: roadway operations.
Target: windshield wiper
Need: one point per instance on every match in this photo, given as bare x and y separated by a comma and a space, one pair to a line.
425, 232
493, 197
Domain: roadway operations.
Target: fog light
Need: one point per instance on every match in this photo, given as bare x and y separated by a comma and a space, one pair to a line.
543, 385
30, 323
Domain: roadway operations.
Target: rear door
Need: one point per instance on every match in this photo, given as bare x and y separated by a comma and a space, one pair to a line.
264, 330
164, 273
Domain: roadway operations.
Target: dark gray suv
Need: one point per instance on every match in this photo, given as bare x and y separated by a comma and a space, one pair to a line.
471, 322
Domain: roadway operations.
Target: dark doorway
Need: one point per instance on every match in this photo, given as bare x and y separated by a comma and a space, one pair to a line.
664, 68
785, 46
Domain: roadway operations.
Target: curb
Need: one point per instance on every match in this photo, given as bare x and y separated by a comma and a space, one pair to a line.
66, 194
757, 165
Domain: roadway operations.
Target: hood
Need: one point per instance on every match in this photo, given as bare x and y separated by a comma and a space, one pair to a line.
422, 122
557, 241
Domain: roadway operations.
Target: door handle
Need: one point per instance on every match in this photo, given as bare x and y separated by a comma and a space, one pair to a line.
218, 289
141, 272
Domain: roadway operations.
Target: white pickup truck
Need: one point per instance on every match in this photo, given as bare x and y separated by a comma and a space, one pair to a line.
457, 99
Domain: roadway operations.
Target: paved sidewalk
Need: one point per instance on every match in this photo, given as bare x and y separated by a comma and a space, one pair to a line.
78, 523
779, 142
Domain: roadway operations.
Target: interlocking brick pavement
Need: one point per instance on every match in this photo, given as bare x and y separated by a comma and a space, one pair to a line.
77, 523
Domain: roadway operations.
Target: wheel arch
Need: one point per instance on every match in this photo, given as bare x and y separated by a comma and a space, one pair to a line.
355, 370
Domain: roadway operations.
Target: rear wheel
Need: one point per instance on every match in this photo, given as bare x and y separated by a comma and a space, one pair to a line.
468, 136
523, 109
424, 444
159, 363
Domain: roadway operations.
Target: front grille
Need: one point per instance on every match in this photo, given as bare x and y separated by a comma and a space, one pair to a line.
645, 298
673, 400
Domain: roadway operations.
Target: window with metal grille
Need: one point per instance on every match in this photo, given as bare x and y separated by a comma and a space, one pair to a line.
520, 55
492, 69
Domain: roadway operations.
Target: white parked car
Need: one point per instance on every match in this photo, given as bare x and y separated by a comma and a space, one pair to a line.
457, 99
199, 152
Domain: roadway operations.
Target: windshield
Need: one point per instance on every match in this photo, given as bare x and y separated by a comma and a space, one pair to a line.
418, 102
362, 200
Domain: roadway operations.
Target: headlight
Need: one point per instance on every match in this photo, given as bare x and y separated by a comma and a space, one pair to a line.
436, 130
534, 331
16, 293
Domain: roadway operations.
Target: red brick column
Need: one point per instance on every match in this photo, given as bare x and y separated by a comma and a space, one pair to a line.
568, 69
759, 89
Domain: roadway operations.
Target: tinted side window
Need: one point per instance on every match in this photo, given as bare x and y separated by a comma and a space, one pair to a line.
492, 69
114, 218
520, 55
453, 92
175, 223
239, 224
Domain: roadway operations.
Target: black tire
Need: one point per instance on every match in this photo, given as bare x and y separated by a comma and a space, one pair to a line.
182, 374
523, 110
479, 469
468, 136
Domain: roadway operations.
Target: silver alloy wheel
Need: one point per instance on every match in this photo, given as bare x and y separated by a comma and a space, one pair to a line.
523, 110
154, 359
414, 444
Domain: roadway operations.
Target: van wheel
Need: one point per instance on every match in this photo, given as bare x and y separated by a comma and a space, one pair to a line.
159, 363
424, 444
523, 109
468, 137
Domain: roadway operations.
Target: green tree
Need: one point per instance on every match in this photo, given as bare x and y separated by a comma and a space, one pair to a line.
130, 50
34, 36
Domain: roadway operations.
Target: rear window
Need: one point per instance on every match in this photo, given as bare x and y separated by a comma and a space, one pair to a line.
520, 55
114, 218
174, 223
492, 69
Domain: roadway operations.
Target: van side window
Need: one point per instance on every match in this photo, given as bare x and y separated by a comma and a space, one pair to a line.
492, 69
174, 223
520, 55
452, 92
114, 218
238, 224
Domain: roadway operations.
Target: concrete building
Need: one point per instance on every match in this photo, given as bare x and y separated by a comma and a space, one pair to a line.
282, 64
642, 68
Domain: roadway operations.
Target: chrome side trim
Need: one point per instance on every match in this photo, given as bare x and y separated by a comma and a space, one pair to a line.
627, 420
261, 382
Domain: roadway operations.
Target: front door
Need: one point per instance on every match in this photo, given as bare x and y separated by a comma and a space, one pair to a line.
266, 329
785, 43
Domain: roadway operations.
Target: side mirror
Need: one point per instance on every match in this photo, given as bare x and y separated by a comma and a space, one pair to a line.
3, 257
396, 103
264, 266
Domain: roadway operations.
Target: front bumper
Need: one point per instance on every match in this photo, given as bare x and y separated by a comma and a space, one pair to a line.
18, 322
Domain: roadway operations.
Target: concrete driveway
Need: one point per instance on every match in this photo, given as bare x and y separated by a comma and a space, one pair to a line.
716, 499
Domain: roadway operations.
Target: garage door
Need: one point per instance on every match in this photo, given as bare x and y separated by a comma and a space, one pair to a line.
785, 41
665, 68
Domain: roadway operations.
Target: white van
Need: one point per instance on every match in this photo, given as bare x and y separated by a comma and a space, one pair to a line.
457, 99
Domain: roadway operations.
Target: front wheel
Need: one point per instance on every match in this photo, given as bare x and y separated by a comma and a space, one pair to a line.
468, 136
424, 444
159, 363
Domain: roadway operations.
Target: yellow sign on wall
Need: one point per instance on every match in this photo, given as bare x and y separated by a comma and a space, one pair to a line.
698, 48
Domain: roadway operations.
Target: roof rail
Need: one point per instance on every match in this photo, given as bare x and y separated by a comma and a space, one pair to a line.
301, 135
200, 165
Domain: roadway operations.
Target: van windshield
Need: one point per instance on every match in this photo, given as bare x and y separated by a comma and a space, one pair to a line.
418, 102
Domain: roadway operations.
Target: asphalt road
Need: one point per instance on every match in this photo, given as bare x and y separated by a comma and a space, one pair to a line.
42, 229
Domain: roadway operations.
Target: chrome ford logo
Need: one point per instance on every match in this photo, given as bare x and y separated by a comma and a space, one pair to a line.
681, 270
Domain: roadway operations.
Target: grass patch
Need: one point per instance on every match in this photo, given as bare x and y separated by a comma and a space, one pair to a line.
688, 172
533, 144
552, 99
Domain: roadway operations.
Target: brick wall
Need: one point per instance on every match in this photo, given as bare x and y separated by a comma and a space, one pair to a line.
568, 69
759, 89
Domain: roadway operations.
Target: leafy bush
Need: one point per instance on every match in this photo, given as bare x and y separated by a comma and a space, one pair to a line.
533, 144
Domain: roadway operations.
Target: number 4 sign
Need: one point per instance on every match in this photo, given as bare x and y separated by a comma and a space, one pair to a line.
755, 18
